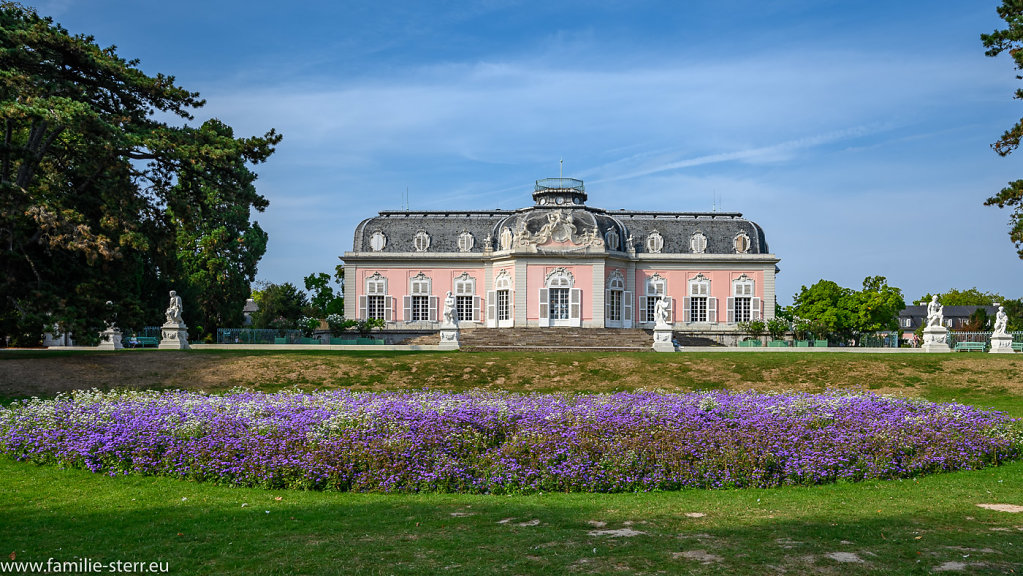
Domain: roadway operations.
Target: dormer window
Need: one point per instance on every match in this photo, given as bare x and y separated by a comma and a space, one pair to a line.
654, 242
421, 241
612, 240
698, 243
742, 243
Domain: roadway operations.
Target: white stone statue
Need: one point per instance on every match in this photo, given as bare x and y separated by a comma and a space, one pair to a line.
450, 314
1001, 322
935, 314
661, 311
173, 312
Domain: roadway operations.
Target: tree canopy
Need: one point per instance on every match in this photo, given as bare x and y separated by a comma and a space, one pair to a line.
1010, 39
102, 199
845, 313
324, 300
280, 306
968, 297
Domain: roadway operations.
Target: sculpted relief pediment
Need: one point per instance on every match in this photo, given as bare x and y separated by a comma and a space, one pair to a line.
558, 230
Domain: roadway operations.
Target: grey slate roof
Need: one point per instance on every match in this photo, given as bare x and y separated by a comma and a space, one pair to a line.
917, 313
720, 228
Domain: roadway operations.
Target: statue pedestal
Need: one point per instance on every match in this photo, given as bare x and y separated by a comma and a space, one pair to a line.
662, 339
936, 339
174, 336
110, 339
1001, 344
449, 338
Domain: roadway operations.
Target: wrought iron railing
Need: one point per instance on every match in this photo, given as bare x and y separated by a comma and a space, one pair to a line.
985, 337
258, 336
559, 184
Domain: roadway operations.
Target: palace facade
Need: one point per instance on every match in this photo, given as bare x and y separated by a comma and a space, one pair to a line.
560, 263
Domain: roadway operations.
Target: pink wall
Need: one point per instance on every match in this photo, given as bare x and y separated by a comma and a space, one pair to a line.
537, 275
443, 279
720, 281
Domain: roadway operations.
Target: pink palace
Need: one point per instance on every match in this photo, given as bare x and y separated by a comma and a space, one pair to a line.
561, 263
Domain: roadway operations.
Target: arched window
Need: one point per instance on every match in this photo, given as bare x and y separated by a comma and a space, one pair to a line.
466, 302
375, 303
377, 241
612, 240
421, 241
617, 302
700, 306
743, 306
656, 286
654, 242
420, 304
506, 238
499, 302
742, 243
466, 242
560, 303
698, 243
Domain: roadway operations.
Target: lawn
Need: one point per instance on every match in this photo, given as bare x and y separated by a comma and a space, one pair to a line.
896, 527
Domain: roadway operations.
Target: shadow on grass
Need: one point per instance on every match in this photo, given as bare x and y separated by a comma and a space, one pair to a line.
907, 527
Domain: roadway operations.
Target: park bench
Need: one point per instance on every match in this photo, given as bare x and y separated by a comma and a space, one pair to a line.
141, 341
777, 344
749, 343
970, 346
1017, 346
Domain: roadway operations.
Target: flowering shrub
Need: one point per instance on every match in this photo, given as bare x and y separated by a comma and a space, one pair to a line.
498, 442
308, 325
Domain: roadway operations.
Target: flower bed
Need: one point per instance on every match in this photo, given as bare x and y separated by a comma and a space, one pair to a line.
498, 443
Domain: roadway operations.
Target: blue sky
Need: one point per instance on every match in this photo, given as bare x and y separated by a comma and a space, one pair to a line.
856, 133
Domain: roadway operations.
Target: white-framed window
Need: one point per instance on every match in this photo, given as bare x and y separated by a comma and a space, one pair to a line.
700, 306
617, 302
654, 288
743, 306
698, 243
377, 241
466, 241
654, 242
421, 241
420, 304
506, 238
499, 302
742, 243
467, 303
375, 303
612, 240
560, 302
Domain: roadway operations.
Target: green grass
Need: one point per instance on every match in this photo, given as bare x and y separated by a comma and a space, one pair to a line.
907, 527
893, 527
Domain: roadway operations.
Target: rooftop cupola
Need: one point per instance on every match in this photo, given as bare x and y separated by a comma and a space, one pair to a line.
559, 192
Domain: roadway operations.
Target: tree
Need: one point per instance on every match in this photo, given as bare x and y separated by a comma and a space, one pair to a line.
877, 306
846, 313
280, 306
102, 200
1010, 40
969, 297
827, 305
1014, 310
325, 301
